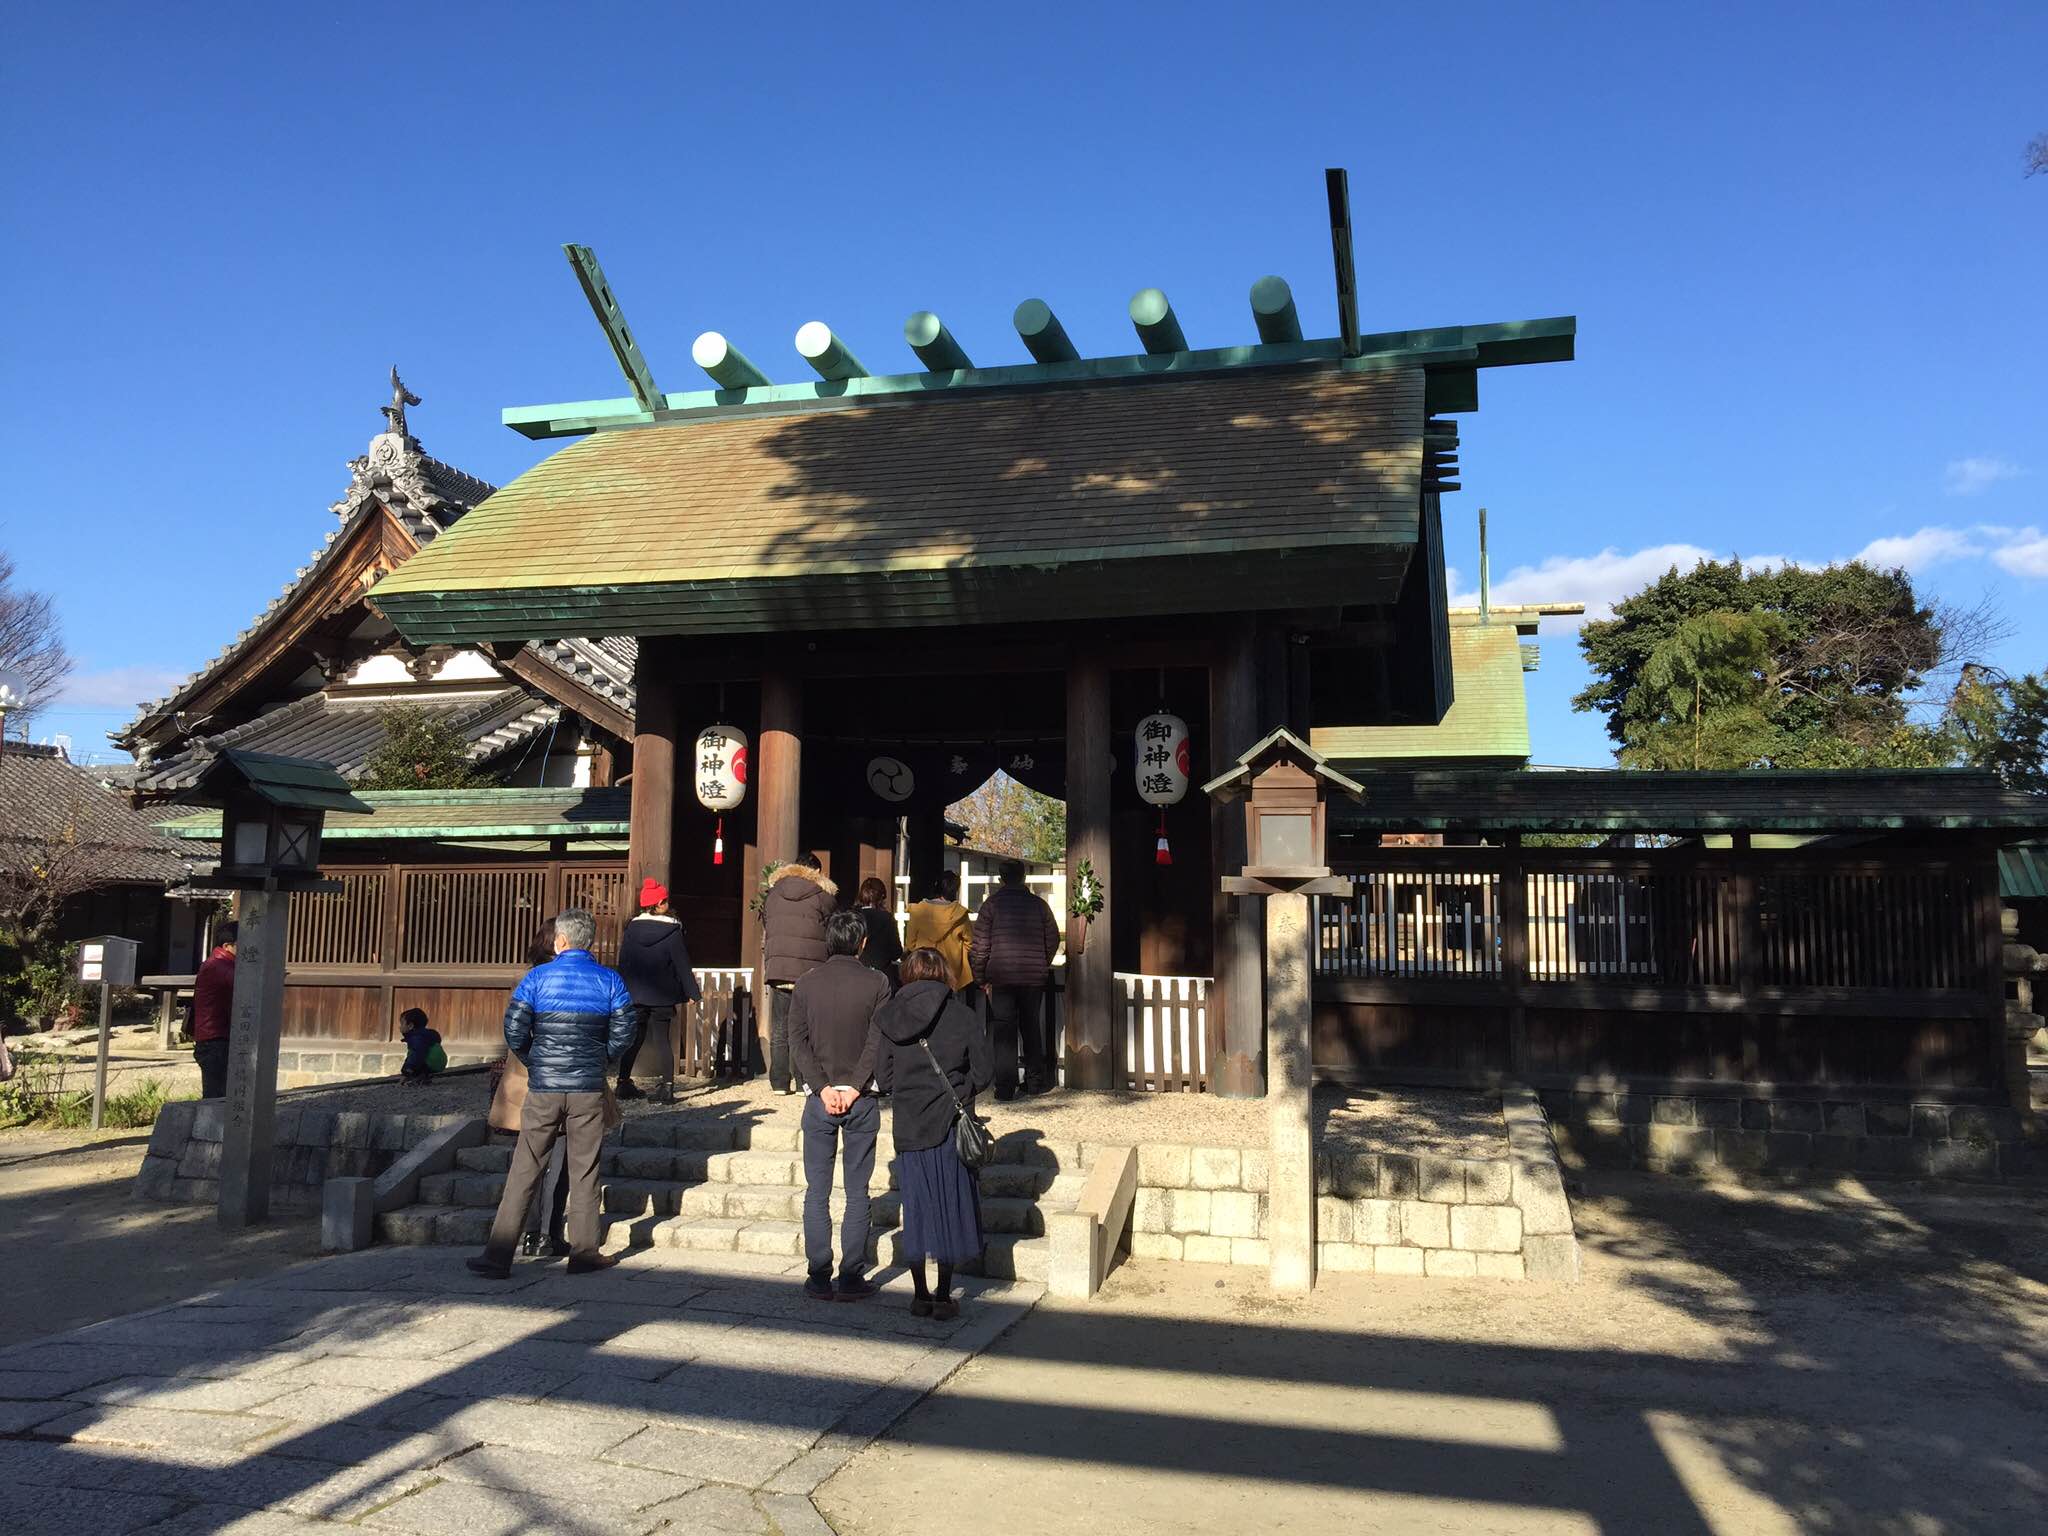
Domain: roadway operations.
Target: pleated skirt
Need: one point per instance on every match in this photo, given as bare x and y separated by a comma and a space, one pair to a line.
941, 1205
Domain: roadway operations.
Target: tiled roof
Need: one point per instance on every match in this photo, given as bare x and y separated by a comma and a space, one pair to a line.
342, 732
1488, 717
441, 813
1299, 487
1614, 800
46, 803
424, 494
603, 666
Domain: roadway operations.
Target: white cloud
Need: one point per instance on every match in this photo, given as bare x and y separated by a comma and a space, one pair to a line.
1968, 477
1599, 581
2025, 552
118, 687
1919, 550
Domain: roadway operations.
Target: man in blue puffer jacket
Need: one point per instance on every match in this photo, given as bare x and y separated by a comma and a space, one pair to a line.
569, 1022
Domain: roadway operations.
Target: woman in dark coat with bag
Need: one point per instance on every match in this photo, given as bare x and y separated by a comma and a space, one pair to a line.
931, 1054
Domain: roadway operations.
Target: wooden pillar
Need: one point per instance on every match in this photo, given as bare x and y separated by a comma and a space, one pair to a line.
654, 766
1091, 985
1513, 915
926, 836
779, 823
249, 1115
1240, 1072
781, 765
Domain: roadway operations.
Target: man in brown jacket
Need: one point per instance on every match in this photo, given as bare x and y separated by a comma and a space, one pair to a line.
792, 942
1015, 939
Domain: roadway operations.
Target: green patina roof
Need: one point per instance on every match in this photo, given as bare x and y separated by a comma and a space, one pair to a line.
417, 814
1488, 717
1615, 800
1290, 488
288, 781
2023, 872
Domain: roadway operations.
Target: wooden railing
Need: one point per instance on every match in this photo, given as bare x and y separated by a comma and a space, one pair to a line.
724, 1019
1671, 969
332, 929
1407, 922
1163, 1034
1682, 923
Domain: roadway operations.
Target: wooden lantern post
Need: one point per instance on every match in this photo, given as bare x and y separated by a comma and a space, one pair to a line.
1284, 784
272, 809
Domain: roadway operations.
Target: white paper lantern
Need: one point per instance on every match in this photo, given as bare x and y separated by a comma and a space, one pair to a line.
1162, 759
720, 771
719, 775
1161, 765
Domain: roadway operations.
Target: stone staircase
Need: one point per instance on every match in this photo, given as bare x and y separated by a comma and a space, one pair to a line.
670, 1181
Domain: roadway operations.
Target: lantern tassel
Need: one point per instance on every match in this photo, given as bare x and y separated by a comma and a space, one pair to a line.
718, 842
1164, 855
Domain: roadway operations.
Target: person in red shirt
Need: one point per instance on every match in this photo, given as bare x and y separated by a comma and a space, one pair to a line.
213, 1005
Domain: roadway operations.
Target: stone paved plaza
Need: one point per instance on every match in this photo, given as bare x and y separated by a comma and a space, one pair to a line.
394, 1390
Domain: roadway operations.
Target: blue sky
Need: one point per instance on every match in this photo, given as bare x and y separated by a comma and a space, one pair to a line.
1808, 273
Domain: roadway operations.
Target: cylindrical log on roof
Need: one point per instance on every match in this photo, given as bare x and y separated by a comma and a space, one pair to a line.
1273, 310
1043, 335
1157, 327
934, 344
827, 353
729, 367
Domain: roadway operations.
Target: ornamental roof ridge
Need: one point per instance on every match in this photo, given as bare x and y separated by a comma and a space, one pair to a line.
426, 495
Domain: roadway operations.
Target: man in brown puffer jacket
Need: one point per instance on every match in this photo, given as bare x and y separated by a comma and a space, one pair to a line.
793, 941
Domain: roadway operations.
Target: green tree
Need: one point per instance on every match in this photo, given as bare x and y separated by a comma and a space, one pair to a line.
1704, 694
1005, 817
2001, 723
1788, 667
419, 751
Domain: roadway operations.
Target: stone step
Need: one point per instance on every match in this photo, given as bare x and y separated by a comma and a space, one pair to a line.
1007, 1256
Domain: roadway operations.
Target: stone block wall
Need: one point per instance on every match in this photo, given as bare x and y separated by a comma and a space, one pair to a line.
312, 1063
1737, 1133
1376, 1212
310, 1146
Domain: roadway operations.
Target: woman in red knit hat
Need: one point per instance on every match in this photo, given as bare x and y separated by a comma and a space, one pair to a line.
656, 965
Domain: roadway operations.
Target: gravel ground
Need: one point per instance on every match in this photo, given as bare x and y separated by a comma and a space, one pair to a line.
1408, 1120
1866, 1360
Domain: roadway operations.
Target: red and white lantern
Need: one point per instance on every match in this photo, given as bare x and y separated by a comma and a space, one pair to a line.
719, 774
1162, 769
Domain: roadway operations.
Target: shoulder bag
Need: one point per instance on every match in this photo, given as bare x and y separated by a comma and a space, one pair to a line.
971, 1140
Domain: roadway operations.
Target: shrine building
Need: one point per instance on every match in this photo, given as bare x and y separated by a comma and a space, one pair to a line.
894, 582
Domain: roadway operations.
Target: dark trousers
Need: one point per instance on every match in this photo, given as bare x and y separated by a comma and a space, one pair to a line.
823, 1135
212, 1056
545, 1216
578, 1118
778, 1038
1018, 1014
651, 1029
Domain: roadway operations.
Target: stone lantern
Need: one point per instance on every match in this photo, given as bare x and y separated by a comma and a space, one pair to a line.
1285, 784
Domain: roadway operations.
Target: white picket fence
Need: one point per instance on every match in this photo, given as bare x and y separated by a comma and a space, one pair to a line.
1165, 1026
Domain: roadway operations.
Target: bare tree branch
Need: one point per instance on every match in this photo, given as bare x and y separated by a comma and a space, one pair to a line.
30, 642
2037, 155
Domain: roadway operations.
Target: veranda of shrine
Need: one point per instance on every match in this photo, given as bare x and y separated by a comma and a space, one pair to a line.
963, 568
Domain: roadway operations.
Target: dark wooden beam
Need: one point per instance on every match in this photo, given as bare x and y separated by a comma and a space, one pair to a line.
1337, 183
1237, 921
605, 305
1091, 983
654, 768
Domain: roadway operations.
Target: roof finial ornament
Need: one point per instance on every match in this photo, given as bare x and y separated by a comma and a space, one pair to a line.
401, 397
